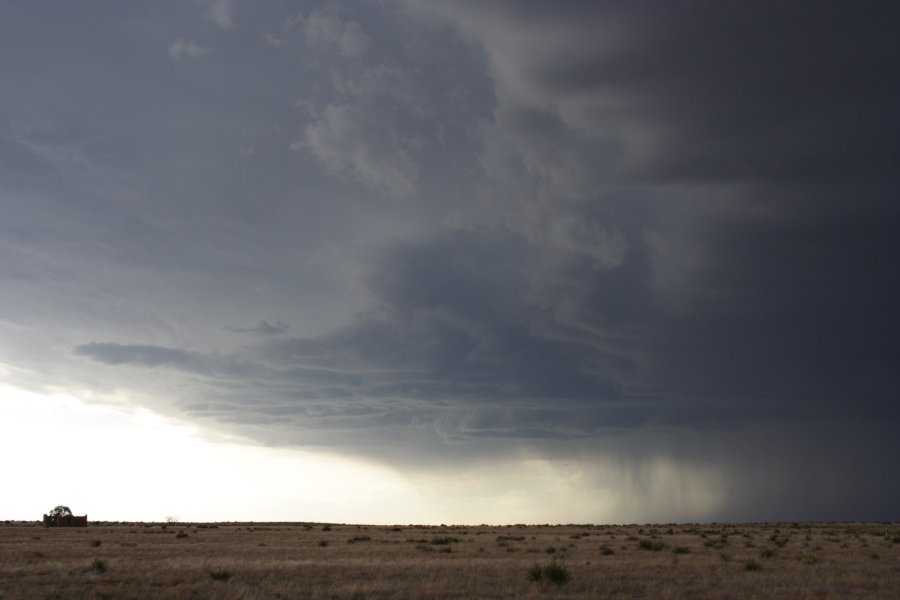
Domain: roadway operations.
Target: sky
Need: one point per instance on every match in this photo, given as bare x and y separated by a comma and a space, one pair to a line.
426, 261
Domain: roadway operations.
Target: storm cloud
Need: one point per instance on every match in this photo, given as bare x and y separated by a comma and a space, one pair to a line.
652, 236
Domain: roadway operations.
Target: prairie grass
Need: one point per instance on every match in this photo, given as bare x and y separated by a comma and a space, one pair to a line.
290, 560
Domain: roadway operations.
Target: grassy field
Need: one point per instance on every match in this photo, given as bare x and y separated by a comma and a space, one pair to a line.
297, 560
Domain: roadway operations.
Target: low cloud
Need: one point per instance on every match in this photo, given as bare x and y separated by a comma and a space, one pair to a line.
138, 354
263, 328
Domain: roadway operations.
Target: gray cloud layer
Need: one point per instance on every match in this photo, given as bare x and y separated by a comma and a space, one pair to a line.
567, 227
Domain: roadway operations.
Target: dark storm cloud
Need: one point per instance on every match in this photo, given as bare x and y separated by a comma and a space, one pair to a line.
647, 219
710, 91
645, 146
761, 135
452, 339
452, 320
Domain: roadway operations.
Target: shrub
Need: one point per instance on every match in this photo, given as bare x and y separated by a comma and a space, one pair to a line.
323, 543
96, 543
181, 535
556, 572
441, 541
681, 550
99, 565
222, 575
651, 545
535, 572
752, 565
359, 538
606, 551
326, 528
767, 553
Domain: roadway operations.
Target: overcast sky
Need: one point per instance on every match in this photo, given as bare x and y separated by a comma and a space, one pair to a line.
584, 261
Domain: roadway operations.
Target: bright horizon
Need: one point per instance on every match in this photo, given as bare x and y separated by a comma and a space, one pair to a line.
125, 463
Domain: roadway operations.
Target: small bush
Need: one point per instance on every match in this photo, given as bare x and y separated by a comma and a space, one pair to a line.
607, 551
442, 541
96, 543
99, 565
359, 538
651, 545
323, 543
767, 553
681, 550
181, 535
556, 573
752, 565
535, 572
326, 528
222, 575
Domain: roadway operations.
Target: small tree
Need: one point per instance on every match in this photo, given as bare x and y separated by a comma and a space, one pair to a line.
60, 511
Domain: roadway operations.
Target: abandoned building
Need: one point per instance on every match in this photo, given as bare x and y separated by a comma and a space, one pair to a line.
62, 516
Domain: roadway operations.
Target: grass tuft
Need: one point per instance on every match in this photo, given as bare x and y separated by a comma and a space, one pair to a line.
221, 575
99, 565
535, 572
442, 541
651, 545
752, 565
555, 572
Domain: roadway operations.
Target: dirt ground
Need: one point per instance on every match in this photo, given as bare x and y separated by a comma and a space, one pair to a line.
303, 560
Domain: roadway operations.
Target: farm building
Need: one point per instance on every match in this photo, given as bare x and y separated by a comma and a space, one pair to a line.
62, 516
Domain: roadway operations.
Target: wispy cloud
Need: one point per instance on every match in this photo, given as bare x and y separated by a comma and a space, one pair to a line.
186, 48
326, 27
263, 328
274, 41
219, 12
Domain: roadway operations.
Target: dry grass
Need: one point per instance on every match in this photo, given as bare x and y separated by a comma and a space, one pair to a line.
290, 561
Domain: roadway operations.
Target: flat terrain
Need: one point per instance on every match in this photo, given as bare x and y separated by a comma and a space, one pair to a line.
296, 560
